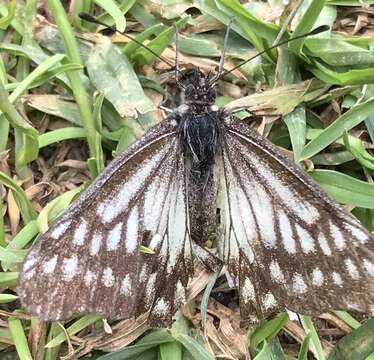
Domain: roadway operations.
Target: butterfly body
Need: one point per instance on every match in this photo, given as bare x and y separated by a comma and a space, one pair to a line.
283, 241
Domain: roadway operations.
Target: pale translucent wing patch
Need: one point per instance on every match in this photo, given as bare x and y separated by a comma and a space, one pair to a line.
285, 242
89, 261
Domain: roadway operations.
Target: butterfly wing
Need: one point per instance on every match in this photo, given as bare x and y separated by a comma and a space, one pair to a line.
89, 260
284, 241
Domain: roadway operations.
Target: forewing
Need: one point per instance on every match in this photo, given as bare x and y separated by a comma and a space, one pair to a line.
89, 260
284, 241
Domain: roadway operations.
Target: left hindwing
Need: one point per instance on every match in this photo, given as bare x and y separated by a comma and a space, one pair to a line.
284, 241
90, 259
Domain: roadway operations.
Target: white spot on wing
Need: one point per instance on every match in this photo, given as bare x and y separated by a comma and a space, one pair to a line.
180, 294
276, 273
243, 225
317, 277
156, 239
80, 233
269, 301
286, 232
263, 209
107, 277
150, 287
28, 264
49, 266
337, 236
324, 244
69, 267
352, 269
114, 237
299, 285
337, 279
161, 308
126, 285
176, 225
369, 266
357, 234
60, 229
131, 241
306, 241
248, 291
95, 244
89, 277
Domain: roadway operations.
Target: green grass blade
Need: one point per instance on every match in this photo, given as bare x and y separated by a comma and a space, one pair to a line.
344, 188
19, 338
343, 123
309, 328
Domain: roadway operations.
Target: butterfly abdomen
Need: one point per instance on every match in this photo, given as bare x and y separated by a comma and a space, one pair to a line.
200, 136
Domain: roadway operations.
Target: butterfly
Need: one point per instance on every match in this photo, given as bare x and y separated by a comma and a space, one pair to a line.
200, 171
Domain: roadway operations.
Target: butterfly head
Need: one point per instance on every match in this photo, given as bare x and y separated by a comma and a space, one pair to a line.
198, 92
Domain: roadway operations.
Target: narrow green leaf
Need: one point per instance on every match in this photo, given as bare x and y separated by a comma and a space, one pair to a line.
343, 123
196, 350
66, 133
19, 338
357, 345
171, 351
310, 16
27, 211
309, 328
267, 329
345, 189
77, 326
114, 11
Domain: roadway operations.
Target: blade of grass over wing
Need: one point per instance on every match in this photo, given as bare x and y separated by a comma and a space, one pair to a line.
345, 122
19, 338
77, 86
315, 342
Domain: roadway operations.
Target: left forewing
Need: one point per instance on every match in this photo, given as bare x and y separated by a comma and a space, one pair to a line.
90, 260
283, 240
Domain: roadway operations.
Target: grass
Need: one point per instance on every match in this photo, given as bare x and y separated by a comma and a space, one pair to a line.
62, 86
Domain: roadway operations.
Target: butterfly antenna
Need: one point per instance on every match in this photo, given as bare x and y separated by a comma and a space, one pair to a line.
310, 33
94, 20
225, 42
